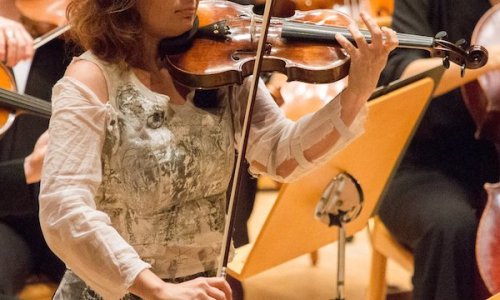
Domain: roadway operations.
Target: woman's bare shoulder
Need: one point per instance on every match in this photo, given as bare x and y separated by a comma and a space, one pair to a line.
90, 75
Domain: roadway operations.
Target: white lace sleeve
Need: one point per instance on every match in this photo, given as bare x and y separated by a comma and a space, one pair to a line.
275, 139
78, 233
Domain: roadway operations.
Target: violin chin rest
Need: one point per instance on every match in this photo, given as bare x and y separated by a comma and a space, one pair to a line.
178, 44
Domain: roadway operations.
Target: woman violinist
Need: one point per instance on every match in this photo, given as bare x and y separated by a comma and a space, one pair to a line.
24, 251
134, 183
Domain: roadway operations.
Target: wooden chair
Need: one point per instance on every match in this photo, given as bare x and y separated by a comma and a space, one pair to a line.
384, 247
38, 291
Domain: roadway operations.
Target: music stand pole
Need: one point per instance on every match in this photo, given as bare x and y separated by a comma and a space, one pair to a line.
341, 263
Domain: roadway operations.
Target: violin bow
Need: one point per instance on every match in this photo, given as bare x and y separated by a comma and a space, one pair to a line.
49, 36
240, 167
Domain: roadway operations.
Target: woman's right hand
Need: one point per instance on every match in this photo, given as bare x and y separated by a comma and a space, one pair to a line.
16, 43
148, 286
200, 288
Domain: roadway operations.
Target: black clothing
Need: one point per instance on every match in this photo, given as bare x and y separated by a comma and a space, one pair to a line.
24, 251
432, 205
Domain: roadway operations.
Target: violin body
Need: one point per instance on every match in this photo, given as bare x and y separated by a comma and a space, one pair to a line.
230, 60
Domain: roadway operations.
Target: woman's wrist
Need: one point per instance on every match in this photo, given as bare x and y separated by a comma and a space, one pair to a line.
147, 285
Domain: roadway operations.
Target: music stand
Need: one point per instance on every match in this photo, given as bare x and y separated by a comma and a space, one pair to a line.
290, 229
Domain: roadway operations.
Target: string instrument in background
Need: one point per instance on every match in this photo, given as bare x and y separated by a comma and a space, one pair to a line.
381, 10
482, 98
42, 16
13, 104
51, 14
299, 98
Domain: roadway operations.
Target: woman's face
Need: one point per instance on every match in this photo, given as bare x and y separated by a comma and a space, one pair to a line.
167, 18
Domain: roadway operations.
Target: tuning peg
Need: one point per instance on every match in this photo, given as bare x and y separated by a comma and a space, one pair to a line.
441, 35
462, 70
446, 62
462, 43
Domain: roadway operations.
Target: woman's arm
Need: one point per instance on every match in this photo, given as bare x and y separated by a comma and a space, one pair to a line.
284, 149
75, 230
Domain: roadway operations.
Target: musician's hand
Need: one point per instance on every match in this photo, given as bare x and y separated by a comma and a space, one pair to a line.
16, 43
199, 289
33, 163
367, 59
148, 286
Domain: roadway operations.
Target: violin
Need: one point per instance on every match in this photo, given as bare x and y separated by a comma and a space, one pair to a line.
302, 47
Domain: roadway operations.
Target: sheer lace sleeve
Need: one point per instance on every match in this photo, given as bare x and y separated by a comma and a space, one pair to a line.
277, 145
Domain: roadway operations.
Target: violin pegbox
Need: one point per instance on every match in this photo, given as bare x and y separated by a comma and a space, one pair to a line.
471, 57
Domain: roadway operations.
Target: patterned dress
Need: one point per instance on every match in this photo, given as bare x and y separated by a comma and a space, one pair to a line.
140, 182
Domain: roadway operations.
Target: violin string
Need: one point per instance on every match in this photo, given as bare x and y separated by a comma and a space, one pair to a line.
26, 102
327, 31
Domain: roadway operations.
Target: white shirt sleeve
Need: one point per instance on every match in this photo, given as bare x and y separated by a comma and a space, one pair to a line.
275, 139
75, 230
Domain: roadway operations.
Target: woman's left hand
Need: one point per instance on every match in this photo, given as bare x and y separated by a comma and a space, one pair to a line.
367, 59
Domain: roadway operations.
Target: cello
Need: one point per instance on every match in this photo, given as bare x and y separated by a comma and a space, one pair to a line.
53, 22
482, 98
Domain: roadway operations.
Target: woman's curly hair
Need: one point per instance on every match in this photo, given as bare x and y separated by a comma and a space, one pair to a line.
111, 29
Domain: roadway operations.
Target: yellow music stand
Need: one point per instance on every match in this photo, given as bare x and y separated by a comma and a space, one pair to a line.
291, 230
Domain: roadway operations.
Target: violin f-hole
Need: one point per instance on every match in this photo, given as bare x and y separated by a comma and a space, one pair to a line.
238, 54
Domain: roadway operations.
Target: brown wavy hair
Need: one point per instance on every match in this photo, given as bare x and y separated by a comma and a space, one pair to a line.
111, 29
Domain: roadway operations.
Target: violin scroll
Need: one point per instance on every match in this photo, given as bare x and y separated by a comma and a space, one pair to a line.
472, 57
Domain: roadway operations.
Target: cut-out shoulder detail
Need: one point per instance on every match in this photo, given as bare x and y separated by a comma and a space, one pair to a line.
91, 75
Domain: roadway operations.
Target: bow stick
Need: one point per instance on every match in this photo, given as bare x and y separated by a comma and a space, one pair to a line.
239, 168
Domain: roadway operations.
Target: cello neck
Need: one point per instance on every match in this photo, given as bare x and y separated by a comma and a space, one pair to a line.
26, 103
